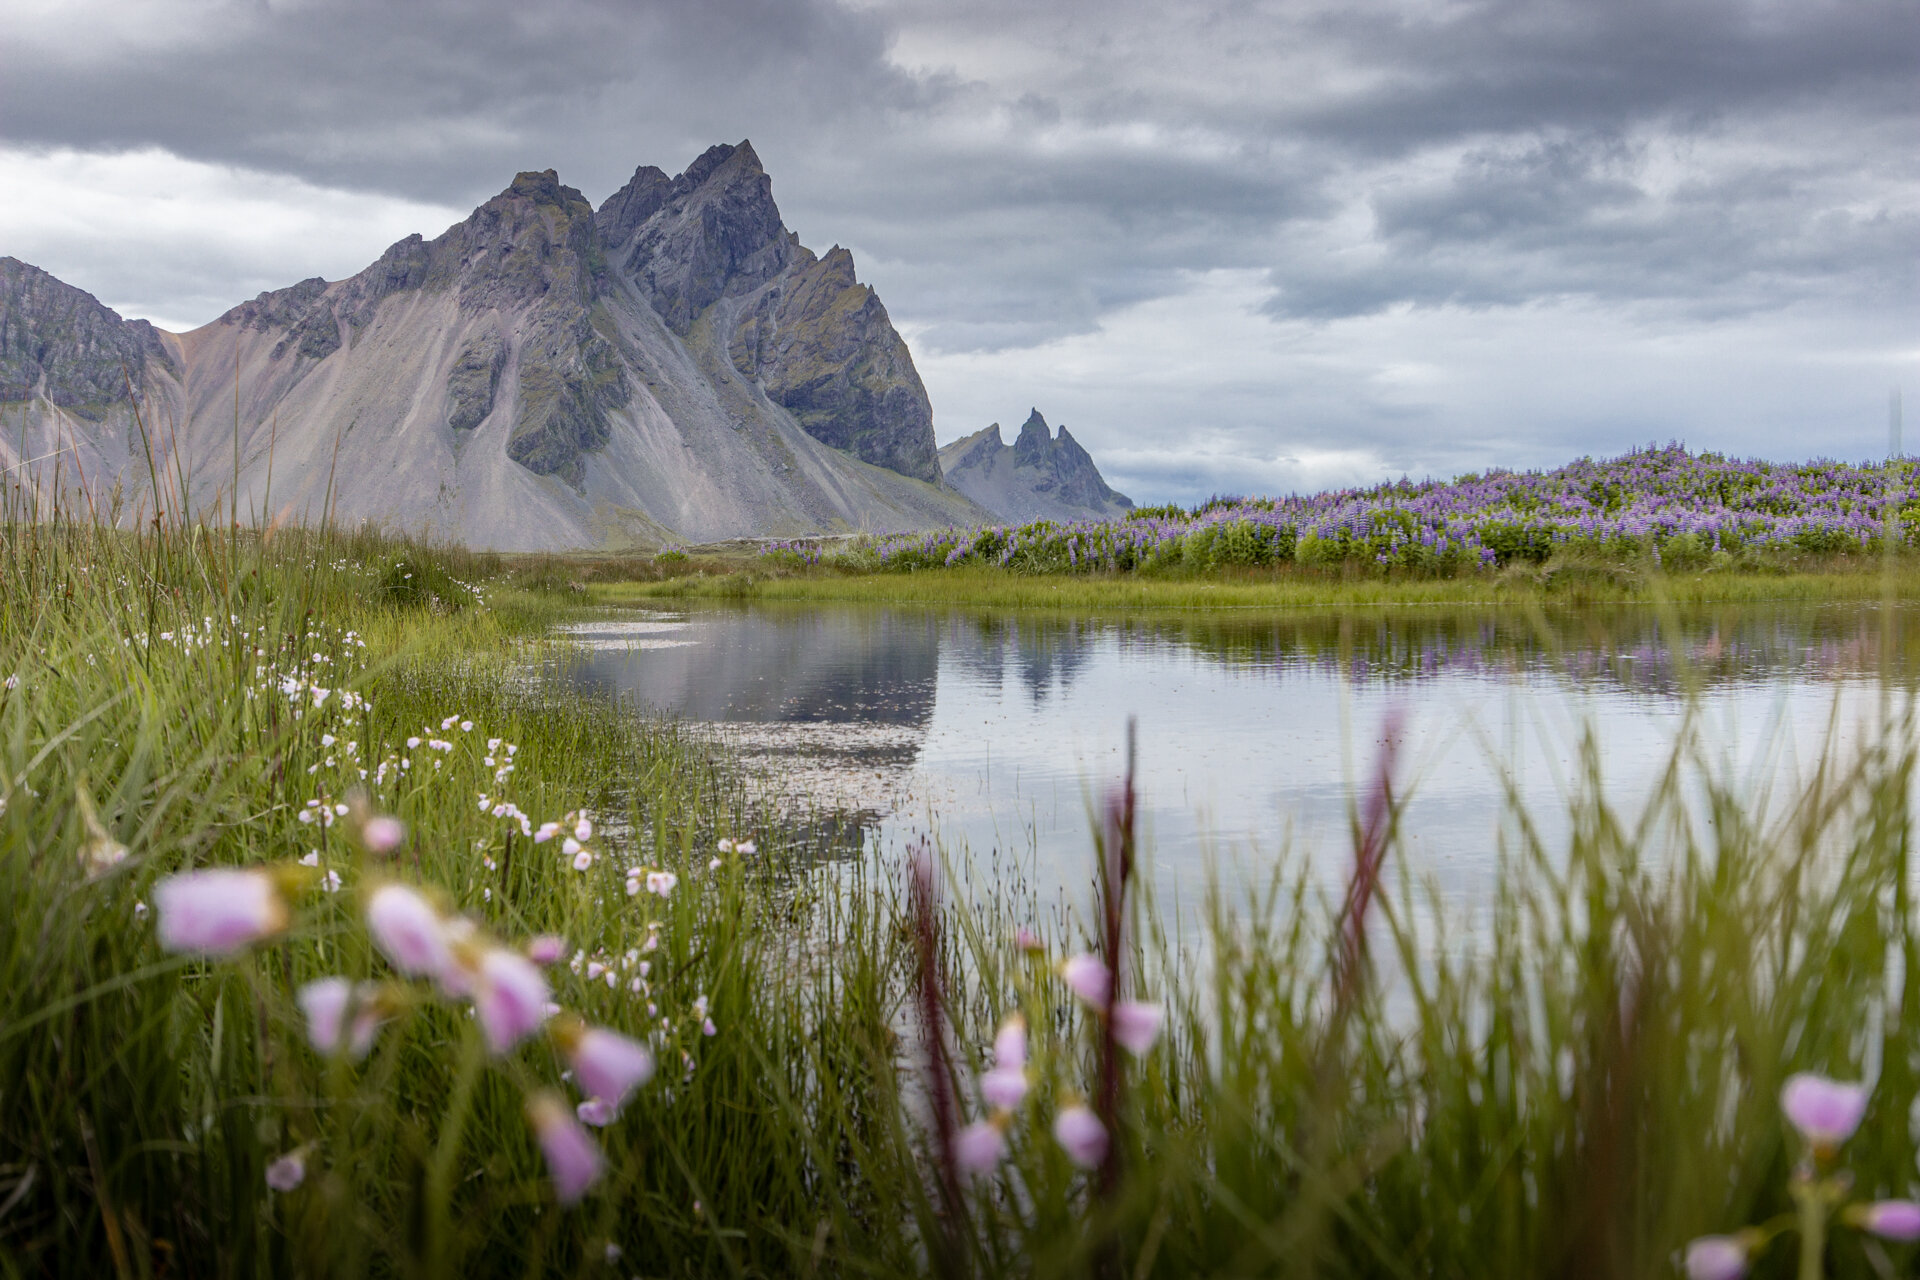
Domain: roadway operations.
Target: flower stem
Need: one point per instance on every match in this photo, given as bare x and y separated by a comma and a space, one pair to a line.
440, 1168
1813, 1230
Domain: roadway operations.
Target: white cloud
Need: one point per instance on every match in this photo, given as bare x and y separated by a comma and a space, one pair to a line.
177, 241
1200, 392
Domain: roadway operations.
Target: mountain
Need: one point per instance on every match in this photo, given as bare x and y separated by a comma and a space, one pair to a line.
673, 366
1040, 477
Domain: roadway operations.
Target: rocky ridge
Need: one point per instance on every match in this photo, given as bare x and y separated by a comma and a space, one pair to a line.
673, 366
60, 343
1038, 477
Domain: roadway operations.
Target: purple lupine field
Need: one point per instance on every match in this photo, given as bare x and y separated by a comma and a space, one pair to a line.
1666, 503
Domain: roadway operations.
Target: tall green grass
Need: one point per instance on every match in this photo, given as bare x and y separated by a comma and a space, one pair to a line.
1579, 1092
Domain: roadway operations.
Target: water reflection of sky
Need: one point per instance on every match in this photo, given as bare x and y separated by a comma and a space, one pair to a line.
996, 732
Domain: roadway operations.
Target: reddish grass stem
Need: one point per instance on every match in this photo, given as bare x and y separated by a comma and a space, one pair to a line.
940, 1082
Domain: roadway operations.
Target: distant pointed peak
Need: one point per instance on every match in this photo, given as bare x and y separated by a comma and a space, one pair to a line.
1034, 437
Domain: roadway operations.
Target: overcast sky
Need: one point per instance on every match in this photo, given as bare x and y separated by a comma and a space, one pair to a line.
1236, 247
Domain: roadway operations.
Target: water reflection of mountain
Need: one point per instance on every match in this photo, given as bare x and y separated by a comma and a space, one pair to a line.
830, 705
768, 666
1045, 654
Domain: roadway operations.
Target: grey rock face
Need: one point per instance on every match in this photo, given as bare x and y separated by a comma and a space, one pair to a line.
302, 311
819, 343
473, 380
628, 209
1038, 478
718, 233
823, 347
570, 379
61, 342
535, 245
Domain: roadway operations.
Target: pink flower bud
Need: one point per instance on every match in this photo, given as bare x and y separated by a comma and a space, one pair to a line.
217, 911
383, 834
326, 1003
1027, 940
1826, 1112
1888, 1219
1003, 1088
1080, 1132
1716, 1258
573, 1161
1086, 975
609, 1065
1136, 1025
405, 926
1010, 1043
597, 1112
288, 1172
511, 1000
980, 1146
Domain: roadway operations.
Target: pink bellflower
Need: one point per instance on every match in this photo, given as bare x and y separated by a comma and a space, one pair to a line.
219, 910
573, 1161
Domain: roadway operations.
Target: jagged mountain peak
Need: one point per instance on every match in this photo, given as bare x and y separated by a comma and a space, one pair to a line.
1035, 441
1040, 477
721, 164
627, 209
718, 233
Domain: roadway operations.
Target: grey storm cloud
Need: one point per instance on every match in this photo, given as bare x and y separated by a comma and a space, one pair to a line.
1153, 138
1013, 174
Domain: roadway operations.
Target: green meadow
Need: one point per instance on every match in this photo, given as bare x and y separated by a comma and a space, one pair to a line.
1330, 1089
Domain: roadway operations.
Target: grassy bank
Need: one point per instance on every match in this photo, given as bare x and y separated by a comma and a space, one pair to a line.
1582, 1094
1854, 579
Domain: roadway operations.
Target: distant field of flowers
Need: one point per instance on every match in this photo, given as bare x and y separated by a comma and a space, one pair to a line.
1679, 508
